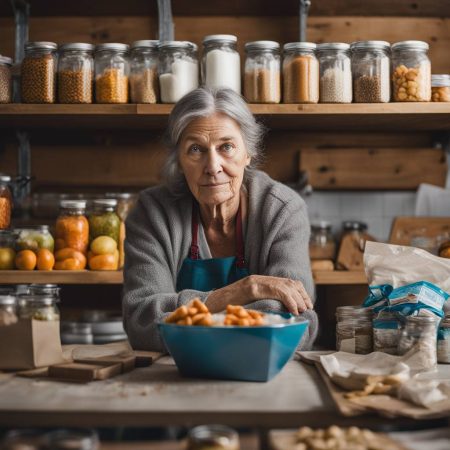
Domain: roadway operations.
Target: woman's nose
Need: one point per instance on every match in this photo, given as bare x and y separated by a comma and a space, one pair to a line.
213, 163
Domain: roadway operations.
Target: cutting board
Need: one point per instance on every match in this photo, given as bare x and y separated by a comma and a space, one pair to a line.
404, 229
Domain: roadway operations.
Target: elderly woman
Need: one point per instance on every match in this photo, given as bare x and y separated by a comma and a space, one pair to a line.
218, 229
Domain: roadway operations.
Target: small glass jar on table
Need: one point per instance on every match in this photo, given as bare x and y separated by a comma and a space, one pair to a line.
75, 73
112, 70
386, 332
443, 340
38, 73
5, 79
411, 72
354, 330
144, 85
8, 306
34, 238
440, 88
213, 437
38, 307
6, 202
321, 243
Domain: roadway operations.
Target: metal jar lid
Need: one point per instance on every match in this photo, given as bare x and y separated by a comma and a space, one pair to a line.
73, 204
120, 195
145, 44
262, 45
43, 289
354, 225
76, 46
442, 80
292, 46
6, 60
220, 38
40, 45
5, 178
184, 45
342, 46
7, 300
321, 225
106, 202
410, 45
370, 45
112, 46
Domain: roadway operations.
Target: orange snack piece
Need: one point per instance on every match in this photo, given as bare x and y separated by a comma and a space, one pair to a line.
26, 260
45, 259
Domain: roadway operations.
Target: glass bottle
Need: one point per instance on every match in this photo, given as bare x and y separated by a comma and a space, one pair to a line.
354, 330
6, 202
5, 79
213, 437
335, 73
321, 243
440, 88
411, 72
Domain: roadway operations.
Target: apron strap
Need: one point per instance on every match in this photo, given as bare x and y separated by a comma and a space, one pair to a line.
195, 252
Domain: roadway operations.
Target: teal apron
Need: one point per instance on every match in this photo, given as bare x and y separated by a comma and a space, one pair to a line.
215, 273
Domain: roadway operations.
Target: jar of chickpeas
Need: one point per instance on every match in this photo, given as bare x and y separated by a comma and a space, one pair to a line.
411, 76
112, 70
440, 88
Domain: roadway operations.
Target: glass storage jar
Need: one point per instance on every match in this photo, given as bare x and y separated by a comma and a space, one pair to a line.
386, 332
371, 71
112, 70
212, 437
6, 202
34, 238
419, 336
221, 63
125, 202
356, 229
443, 340
5, 79
45, 289
38, 307
262, 72
75, 73
8, 314
7, 250
354, 330
300, 73
24, 439
321, 243
144, 85
73, 439
38, 73
178, 70
335, 72
103, 221
440, 88
411, 72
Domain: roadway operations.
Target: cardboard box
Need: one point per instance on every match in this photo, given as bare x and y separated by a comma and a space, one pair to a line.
29, 344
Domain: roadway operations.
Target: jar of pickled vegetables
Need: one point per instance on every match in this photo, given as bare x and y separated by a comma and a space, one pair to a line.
7, 250
6, 202
34, 238
38, 307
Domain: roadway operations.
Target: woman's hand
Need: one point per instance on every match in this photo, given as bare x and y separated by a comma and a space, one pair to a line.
290, 293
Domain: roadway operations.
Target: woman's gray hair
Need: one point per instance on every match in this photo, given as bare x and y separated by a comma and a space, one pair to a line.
204, 102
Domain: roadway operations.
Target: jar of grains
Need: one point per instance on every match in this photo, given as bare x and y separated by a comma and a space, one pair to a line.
178, 70
354, 330
75, 73
371, 71
144, 86
386, 332
262, 72
5, 79
411, 72
440, 88
443, 340
335, 73
221, 64
6, 201
321, 242
111, 73
300, 73
38, 73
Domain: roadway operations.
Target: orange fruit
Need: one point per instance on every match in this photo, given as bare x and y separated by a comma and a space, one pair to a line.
26, 260
104, 262
69, 264
45, 259
66, 253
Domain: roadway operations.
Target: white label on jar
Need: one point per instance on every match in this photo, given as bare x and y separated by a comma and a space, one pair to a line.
348, 345
443, 350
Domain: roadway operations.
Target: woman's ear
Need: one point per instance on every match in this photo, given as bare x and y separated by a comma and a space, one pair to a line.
248, 161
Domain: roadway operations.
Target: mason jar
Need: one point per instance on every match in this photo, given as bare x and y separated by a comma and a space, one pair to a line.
8, 306
440, 88
300, 73
103, 221
38, 73
178, 70
75, 73
73, 439
443, 340
371, 71
7, 250
38, 307
144, 85
5, 79
6, 202
125, 202
335, 72
45, 289
386, 332
221, 63
34, 238
112, 70
411, 72
262, 72
321, 243
354, 330
208, 437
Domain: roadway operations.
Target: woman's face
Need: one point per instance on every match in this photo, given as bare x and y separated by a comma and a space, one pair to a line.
212, 157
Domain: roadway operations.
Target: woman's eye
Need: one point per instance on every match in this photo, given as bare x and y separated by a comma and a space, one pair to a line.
194, 149
227, 147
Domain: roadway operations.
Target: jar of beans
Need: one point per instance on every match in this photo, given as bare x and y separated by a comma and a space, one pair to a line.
5, 79
75, 73
38, 73
112, 70
440, 88
411, 77
144, 84
371, 71
300, 73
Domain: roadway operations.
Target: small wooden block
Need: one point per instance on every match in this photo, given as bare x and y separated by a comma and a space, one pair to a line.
322, 264
84, 372
128, 363
143, 358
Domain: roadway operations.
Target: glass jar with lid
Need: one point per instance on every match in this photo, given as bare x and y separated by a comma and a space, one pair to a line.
213, 437
75, 73
335, 72
125, 202
24, 439
38, 307
45, 289
354, 330
411, 72
144, 85
112, 70
178, 70
73, 439
300, 73
440, 88
8, 314
262, 72
38, 73
6, 202
419, 336
386, 332
371, 71
443, 340
7, 250
356, 229
34, 238
321, 243
5, 79
221, 63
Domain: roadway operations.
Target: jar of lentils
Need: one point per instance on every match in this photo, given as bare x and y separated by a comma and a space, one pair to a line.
112, 70
5, 79
411, 72
335, 73
443, 340
144, 86
371, 71
440, 88
75, 73
354, 330
38, 73
262, 75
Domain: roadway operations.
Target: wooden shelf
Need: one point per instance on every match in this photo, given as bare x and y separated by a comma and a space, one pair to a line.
389, 116
116, 277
